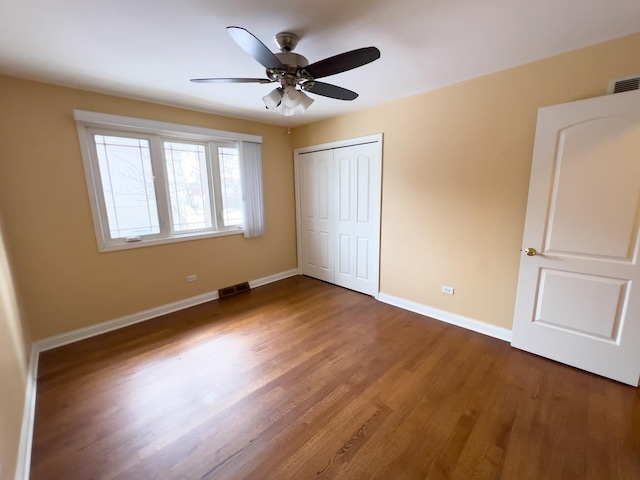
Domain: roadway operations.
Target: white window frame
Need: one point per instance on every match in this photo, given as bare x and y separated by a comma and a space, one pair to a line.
91, 123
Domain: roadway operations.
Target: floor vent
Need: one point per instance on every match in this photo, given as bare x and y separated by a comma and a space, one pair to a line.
232, 290
624, 84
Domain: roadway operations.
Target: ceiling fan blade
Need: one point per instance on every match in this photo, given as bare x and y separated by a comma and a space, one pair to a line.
343, 62
254, 47
231, 80
328, 90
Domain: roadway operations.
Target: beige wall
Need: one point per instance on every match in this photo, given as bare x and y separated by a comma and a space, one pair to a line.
456, 167
65, 283
455, 175
455, 180
13, 368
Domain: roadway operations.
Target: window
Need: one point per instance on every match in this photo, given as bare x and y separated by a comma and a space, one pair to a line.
152, 182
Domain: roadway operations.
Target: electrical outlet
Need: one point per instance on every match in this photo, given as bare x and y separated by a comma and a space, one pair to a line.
447, 290
192, 278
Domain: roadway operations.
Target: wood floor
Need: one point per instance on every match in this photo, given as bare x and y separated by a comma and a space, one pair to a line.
301, 380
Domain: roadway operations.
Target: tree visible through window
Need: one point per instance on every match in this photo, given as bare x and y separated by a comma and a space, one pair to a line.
155, 182
127, 183
187, 177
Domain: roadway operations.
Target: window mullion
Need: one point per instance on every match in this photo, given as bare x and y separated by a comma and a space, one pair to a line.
160, 179
216, 186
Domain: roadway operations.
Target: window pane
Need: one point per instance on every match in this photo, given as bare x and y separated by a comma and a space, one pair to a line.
127, 183
231, 186
188, 186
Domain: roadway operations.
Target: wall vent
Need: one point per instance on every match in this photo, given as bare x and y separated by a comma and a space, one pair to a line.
233, 289
624, 84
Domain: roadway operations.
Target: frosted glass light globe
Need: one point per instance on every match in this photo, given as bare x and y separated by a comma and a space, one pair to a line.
291, 97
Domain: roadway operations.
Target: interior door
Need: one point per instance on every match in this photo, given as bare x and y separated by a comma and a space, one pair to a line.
357, 214
578, 298
316, 212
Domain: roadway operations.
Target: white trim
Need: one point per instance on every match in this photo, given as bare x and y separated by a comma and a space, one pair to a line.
172, 239
341, 143
96, 119
125, 321
93, 184
454, 319
273, 278
23, 465
298, 200
121, 322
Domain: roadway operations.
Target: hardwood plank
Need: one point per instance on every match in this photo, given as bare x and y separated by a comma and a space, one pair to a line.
301, 379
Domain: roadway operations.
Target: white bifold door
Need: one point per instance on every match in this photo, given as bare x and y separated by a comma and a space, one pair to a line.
578, 299
338, 201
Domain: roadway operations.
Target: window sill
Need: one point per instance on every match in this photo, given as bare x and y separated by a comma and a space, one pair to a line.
162, 241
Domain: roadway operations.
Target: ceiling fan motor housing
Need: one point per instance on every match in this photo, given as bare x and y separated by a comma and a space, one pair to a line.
292, 60
286, 41
290, 75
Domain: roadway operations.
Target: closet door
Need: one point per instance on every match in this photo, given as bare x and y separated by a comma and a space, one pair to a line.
338, 196
316, 212
357, 217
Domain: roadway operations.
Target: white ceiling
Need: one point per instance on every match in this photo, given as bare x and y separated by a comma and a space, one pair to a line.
149, 49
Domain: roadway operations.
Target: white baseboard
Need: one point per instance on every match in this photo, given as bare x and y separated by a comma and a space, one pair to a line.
121, 322
125, 321
23, 465
448, 317
273, 278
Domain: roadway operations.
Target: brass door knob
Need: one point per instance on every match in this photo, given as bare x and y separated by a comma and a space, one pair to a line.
531, 251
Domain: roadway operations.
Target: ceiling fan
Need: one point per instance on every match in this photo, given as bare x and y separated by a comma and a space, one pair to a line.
293, 72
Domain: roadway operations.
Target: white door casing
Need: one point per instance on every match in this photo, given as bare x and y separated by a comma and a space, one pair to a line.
354, 205
578, 299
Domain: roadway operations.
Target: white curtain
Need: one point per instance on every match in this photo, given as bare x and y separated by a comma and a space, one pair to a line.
251, 165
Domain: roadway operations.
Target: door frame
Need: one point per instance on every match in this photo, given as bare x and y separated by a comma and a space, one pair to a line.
375, 138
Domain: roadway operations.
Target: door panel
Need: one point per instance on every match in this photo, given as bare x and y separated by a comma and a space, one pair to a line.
316, 198
323, 177
367, 215
325, 241
345, 214
364, 183
344, 186
344, 256
359, 185
363, 259
591, 195
578, 300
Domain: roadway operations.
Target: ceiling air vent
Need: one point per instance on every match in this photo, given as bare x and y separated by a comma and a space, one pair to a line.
624, 84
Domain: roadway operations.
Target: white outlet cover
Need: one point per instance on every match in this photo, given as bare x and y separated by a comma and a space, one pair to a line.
447, 290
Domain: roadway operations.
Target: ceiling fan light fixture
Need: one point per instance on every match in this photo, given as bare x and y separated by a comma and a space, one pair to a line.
305, 101
292, 71
291, 97
273, 99
287, 112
